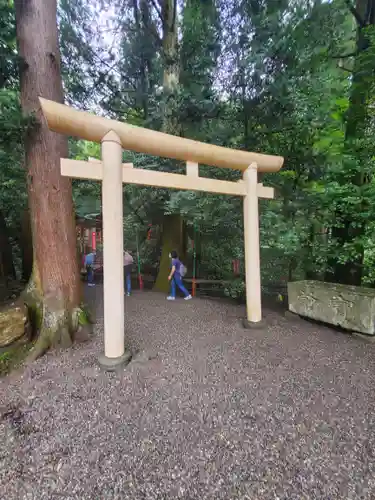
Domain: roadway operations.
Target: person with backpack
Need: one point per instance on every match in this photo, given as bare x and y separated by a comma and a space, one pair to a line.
128, 265
178, 270
89, 265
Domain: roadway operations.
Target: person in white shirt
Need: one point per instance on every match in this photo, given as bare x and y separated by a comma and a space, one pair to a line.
128, 265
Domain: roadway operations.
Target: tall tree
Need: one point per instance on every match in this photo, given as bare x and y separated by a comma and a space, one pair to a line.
199, 52
137, 73
167, 13
170, 122
348, 231
55, 285
88, 59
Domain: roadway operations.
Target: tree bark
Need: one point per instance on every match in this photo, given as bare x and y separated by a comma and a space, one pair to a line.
55, 284
170, 52
173, 234
171, 69
173, 239
142, 19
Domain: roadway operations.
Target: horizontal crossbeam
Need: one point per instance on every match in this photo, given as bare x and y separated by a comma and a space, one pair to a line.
93, 170
69, 121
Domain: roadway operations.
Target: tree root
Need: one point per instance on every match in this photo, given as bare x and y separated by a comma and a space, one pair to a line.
56, 325
82, 324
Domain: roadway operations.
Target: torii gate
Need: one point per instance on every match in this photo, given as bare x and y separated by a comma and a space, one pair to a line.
114, 136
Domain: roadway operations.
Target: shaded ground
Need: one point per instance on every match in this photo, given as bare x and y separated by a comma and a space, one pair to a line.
216, 413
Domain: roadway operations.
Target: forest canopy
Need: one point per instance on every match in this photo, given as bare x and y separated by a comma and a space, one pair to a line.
290, 78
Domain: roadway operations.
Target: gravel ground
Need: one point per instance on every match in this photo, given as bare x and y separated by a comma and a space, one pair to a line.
206, 410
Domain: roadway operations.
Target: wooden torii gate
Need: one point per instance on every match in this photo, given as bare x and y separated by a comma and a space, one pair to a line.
114, 136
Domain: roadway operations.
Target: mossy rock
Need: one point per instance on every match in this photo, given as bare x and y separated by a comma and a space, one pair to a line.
349, 307
13, 323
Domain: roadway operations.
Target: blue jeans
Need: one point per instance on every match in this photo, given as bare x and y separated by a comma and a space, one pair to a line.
90, 274
128, 283
128, 280
176, 280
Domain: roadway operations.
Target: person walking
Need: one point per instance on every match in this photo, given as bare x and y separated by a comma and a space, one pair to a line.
175, 277
128, 265
89, 265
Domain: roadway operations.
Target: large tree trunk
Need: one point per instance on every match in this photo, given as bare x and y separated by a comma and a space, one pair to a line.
55, 284
349, 231
142, 19
170, 50
173, 239
172, 225
171, 67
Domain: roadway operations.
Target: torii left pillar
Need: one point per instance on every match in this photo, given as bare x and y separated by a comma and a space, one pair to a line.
113, 269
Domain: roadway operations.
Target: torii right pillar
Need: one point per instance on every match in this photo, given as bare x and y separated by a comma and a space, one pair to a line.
252, 250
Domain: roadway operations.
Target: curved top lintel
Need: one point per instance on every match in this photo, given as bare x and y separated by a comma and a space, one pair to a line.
69, 121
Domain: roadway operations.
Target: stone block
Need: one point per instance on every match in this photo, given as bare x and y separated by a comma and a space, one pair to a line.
350, 307
13, 323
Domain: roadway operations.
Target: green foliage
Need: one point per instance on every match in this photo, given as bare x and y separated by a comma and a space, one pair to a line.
87, 61
273, 80
295, 79
13, 125
8, 54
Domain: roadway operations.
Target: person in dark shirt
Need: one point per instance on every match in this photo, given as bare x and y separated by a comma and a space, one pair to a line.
89, 264
175, 277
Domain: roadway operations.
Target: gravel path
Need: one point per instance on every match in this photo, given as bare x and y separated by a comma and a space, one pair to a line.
206, 410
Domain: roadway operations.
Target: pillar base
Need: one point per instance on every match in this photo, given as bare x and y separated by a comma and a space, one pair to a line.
113, 364
252, 325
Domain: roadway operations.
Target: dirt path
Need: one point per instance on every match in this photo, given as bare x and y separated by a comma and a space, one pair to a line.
206, 410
